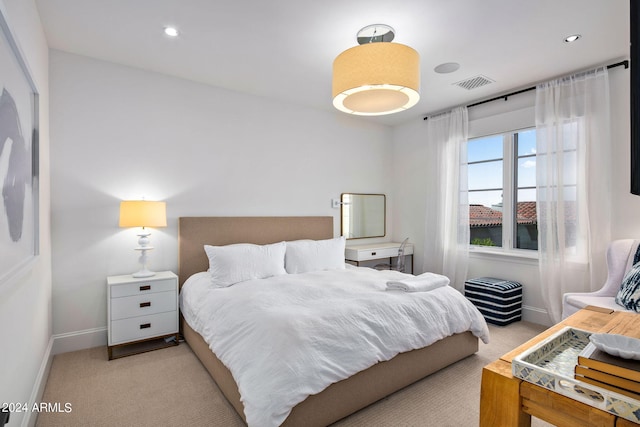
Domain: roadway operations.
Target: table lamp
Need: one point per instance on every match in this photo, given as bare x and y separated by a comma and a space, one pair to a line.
143, 213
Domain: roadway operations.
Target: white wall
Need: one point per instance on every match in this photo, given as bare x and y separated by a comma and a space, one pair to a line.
625, 224
121, 133
410, 196
25, 303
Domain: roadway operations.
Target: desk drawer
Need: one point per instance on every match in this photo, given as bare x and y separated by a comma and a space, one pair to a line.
139, 328
367, 254
142, 287
141, 305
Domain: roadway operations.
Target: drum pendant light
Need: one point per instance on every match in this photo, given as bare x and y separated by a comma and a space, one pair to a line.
377, 77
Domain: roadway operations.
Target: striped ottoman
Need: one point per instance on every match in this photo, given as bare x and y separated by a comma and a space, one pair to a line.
499, 301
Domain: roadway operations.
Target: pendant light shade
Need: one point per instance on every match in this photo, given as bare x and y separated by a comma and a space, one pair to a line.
376, 78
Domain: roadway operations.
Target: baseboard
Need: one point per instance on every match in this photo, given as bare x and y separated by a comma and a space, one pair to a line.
79, 340
536, 315
60, 343
30, 417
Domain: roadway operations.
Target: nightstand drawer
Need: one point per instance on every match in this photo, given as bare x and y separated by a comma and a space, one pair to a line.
375, 251
141, 305
364, 255
139, 328
142, 287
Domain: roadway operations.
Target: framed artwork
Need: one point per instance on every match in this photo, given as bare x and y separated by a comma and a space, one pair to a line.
19, 237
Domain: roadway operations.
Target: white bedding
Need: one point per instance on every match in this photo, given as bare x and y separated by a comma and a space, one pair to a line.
287, 337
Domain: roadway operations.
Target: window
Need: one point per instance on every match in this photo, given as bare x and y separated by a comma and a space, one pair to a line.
502, 190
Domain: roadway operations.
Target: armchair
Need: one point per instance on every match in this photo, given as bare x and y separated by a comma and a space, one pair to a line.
620, 255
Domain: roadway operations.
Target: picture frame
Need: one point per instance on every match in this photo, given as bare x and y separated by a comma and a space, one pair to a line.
19, 160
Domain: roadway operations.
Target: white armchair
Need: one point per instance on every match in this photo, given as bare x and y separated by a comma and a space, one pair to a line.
620, 254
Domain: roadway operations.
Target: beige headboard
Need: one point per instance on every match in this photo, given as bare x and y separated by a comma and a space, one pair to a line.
195, 232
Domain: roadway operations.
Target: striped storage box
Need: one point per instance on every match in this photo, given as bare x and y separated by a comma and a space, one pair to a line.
499, 301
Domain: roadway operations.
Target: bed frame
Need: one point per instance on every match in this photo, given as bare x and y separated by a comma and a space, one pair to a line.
339, 399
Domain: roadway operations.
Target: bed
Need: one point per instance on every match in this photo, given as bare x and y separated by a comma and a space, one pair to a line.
340, 398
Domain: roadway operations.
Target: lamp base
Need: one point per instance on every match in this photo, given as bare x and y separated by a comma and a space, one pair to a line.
143, 247
144, 273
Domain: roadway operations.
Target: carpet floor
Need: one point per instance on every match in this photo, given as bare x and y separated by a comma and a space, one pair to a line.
170, 387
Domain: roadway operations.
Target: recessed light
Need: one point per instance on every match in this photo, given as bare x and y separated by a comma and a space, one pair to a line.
447, 67
171, 31
572, 38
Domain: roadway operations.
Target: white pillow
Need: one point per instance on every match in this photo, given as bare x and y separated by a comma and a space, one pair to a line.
314, 255
244, 261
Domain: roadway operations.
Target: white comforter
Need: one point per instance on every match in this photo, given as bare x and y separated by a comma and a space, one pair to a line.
287, 337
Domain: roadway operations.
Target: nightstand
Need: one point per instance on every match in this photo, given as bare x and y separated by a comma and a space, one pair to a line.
142, 313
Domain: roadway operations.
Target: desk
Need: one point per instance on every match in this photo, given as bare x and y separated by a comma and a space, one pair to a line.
376, 253
509, 401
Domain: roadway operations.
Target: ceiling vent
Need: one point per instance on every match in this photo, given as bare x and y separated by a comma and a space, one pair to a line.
474, 82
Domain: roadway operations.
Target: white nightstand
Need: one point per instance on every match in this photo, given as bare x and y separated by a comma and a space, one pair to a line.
142, 313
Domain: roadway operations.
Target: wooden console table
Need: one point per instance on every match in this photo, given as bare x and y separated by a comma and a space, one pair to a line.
507, 401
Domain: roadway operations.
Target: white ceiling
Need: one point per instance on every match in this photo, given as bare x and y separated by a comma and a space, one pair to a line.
284, 49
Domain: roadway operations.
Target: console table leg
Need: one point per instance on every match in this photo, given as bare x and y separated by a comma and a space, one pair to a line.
500, 404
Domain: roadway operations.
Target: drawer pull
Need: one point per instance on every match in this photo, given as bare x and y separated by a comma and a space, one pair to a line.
145, 304
145, 288
373, 253
145, 326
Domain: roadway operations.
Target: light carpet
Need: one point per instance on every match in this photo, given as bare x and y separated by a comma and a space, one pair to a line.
170, 387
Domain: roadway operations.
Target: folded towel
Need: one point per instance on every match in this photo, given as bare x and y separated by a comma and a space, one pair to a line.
423, 283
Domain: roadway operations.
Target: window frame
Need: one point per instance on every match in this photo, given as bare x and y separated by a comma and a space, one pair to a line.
509, 195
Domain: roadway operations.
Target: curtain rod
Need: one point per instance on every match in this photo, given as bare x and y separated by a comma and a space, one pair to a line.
617, 64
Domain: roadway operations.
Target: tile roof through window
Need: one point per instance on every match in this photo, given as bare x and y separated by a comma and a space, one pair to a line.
484, 216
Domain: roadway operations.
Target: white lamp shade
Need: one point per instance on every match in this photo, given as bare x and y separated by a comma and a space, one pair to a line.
143, 213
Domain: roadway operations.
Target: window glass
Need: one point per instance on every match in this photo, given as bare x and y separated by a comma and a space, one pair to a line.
485, 175
527, 172
486, 198
569, 163
498, 165
526, 142
525, 221
526, 234
485, 148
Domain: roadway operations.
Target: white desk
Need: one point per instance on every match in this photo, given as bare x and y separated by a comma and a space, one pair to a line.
360, 255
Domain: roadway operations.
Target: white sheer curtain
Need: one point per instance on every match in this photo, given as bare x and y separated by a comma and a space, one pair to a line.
446, 249
573, 184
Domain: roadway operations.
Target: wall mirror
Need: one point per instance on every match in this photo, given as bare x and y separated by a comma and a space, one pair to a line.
363, 215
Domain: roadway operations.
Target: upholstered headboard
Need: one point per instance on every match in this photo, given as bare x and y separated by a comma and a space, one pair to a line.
195, 232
